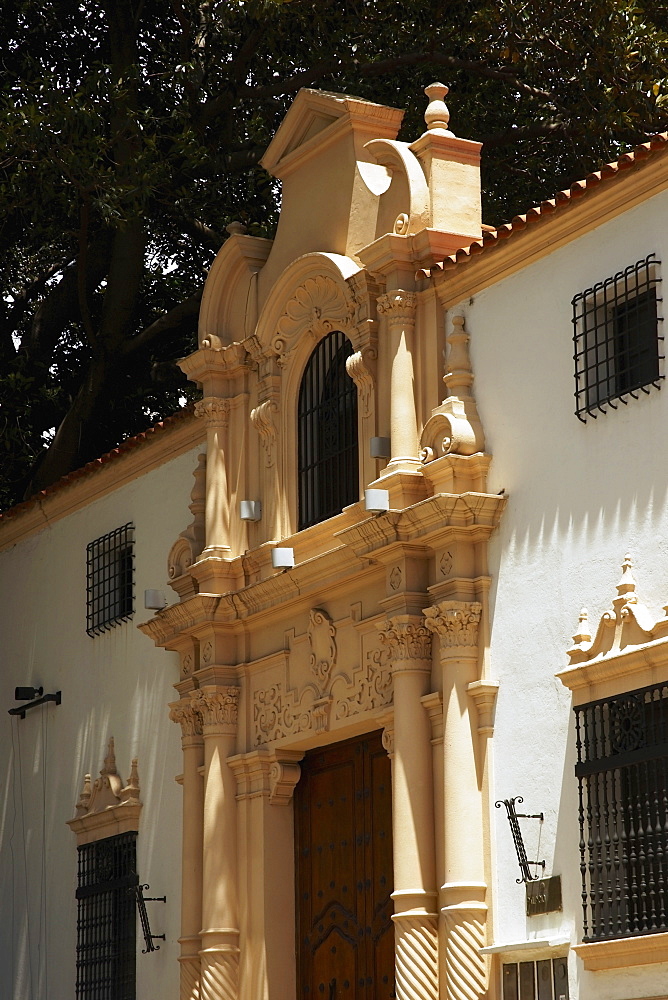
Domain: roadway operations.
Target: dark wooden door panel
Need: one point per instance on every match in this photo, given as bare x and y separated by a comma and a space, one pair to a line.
343, 824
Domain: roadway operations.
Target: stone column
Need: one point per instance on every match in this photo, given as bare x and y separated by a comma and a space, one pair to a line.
464, 909
415, 920
399, 308
191, 863
217, 512
218, 707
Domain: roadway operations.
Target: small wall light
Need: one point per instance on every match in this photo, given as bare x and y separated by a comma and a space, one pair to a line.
250, 510
282, 558
27, 693
380, 447
376, 501
154, 600
33, 697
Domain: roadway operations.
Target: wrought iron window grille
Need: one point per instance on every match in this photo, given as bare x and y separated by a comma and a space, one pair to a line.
327, 433
618, 349
142, 900
546, 979
106, 919
518, 840
622, 771
110, 580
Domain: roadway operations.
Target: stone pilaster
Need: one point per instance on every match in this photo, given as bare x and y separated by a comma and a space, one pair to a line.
212, 574
218, 708
463, 904
409, 744
399, 308
190, 940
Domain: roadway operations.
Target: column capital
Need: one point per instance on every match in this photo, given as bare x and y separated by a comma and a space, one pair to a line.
398, 305
214, 409
218, 707
455, 622
184, 713
407, 641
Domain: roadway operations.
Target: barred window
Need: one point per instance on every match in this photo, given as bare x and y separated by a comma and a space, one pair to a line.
110, 580
622, 768
618, 345
327, 433
542, 980
106, 919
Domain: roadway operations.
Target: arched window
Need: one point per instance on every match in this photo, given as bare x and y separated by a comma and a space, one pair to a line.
327, 432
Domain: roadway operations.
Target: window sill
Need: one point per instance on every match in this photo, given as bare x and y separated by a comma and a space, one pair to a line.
601, 956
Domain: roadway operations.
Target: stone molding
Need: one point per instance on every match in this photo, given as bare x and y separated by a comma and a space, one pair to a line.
455, 622
214, 410
646, 949
484, 695
399, 306
106, 806
408, 642
266, 774
219, 708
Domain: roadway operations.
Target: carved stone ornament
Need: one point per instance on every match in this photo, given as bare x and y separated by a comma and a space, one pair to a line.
322, 640
454, 427
190, 720
215, 410
408, 643
456, 622
318, 307
283, 776
262, 419
106, 806
188, 546
218, 709
399, 306
363, 378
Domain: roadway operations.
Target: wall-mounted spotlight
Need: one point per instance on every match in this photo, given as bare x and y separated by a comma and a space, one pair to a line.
376, 501
154, 600
250, 510
282, 558
33, 697
380, 447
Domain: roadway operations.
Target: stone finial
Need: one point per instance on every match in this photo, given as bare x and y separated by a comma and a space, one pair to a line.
109, 766
583, 633
626, 588
437, 115
84, 798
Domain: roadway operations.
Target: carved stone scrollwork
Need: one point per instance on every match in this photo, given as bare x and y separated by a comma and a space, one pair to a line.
215, 410
219, 709
322, 640
318, 307
188, 546
456, 622
465, 967
399, 306
387, 740
363, 378
408, 643
283, 777
184, 713
262, 418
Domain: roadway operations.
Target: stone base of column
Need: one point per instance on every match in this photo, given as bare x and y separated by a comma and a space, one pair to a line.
415, 950
190, 972
464, 934
220, 965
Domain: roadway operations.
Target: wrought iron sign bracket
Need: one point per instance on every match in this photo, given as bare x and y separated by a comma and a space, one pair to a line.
513, 818
21, 710
142, 900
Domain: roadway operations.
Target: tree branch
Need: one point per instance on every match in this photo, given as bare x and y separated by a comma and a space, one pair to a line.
172, 320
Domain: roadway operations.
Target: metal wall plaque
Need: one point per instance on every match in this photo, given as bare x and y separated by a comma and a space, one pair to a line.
543, 895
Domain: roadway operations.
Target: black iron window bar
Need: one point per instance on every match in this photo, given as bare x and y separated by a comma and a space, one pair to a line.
142, 900
110, 580
622, 771
616, 338
513, 817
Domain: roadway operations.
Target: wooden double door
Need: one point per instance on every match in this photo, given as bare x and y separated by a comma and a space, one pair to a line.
343, 834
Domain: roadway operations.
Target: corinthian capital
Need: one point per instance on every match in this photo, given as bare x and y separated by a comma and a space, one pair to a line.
407, 641
219, 708
398, 305
456, 622
187, 717
214, 410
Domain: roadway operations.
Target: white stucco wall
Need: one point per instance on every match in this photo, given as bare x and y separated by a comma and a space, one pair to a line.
116, 684
580, 497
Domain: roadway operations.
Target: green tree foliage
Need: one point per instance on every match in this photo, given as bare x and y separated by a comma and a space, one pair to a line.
131, 133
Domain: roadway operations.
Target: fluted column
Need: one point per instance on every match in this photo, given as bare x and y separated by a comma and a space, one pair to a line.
218, 707
464, 909
191, 863
415, 919
217, 510
399, 307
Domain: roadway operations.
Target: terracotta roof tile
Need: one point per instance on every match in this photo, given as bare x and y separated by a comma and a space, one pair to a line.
578, 189
86, 470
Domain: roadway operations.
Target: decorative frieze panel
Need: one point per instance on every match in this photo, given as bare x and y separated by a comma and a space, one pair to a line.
322, 640
369, 690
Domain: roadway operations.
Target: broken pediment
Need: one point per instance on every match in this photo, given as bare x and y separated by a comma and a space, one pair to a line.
107, 806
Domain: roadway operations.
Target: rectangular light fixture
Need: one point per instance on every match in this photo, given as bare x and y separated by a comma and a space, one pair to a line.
250, 510
379, 447
282, 558
376, 501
